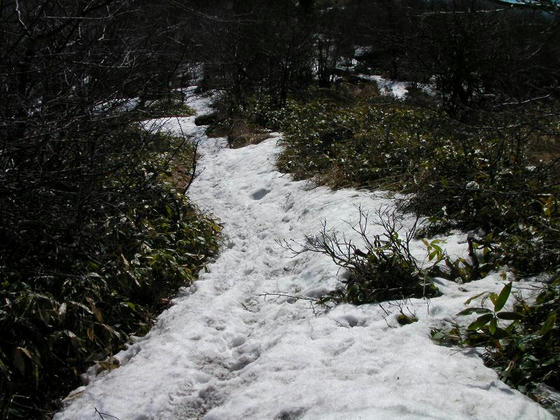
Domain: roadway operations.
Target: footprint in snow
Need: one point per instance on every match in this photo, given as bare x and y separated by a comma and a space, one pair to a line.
291, 414
259, 194
237, 341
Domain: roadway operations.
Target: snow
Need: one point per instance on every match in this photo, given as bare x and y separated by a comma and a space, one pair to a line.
389, 87
396, 89
238, 344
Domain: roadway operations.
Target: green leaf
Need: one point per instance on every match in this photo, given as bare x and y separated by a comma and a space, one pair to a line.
513, 316
470, 311
438, 336
480, 322
493, 326
501, 333
19, 361
548, 324
503, 297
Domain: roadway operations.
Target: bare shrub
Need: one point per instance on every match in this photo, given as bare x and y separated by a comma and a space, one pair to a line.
381, 268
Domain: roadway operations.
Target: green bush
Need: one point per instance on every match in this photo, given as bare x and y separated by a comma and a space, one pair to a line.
77, 277
168, 107
522, 344
362, 145
481, 180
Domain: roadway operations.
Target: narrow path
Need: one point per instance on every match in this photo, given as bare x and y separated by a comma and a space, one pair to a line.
225, 350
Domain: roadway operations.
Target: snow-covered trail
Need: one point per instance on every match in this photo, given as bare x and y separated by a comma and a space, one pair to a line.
224, 350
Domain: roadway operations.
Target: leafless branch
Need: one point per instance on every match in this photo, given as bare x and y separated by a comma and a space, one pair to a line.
20, 18
103, 416
287, 295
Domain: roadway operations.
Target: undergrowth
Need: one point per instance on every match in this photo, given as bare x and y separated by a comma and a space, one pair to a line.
521, 339
170, 106
475, 175
72, 290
